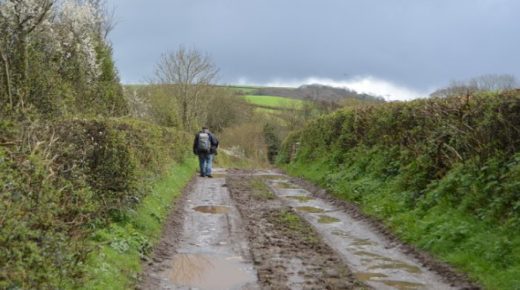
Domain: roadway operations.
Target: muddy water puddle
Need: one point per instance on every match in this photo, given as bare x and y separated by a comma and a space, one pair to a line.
369, 276
213, 209
284, 185
208, 272
374, 256
397, 266
299, 198
403, 285
325, 219
363, 242
310, 209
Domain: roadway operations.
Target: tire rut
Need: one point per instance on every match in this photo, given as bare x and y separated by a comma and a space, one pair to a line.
287, 252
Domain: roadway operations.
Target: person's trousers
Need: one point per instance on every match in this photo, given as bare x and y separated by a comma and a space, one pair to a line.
205, 161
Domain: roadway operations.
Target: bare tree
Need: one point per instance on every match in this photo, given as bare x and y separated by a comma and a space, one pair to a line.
493, 82
190, 74
490, 82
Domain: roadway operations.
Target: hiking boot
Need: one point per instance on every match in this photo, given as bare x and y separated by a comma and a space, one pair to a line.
201, 175
210, 176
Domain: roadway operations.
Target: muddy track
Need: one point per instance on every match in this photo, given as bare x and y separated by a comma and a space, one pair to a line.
448, 273
260, 229
203, 245
287, 253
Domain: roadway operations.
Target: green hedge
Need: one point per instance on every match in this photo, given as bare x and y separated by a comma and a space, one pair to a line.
61, 181
444, 174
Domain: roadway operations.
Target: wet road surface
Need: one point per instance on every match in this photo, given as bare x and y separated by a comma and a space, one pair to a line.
213, 251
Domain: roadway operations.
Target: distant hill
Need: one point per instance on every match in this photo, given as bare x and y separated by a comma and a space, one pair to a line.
318, 93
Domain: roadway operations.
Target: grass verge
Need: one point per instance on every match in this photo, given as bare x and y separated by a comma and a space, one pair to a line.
117, 261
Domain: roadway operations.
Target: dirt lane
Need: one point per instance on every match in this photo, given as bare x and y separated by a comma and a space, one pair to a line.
258, 230
211, 252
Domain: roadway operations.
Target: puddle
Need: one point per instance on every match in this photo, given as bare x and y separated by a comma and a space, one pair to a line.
325, 219
363, 242
341, 234
299, 198
374, 256
369, 276
370, 254
310, 209
285, 185
403, 285
215, 209
208, 272
397, 265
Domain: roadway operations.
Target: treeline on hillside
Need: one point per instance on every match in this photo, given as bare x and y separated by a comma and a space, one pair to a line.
317, 92
67, 166
483, 83
442, 172
259, 135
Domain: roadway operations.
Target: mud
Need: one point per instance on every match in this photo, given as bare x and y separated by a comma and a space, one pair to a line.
210, 250
310, 209
325, 219
287, 252
445, 272
208, 271
213, 209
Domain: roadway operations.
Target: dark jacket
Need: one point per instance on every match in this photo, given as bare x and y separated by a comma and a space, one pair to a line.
212, 139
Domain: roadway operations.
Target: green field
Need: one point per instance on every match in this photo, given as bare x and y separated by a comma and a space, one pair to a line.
274, 102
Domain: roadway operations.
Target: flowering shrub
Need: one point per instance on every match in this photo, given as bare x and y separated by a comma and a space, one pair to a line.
54, 58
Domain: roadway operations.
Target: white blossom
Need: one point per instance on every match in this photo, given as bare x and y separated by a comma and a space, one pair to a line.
68, 30
78, 22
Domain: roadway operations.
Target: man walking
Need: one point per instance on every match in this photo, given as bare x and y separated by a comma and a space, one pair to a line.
205, 146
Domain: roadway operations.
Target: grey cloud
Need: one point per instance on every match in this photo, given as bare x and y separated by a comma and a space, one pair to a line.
417, 43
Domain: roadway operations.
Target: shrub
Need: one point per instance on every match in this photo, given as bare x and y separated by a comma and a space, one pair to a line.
64, 179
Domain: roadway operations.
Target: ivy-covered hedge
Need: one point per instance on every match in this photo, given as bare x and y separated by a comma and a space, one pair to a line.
443, 173
60, 181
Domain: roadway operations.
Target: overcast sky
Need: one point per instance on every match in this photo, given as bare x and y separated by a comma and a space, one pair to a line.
399, 49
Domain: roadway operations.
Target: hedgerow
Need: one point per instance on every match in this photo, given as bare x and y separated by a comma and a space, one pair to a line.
62, 180
443, 173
